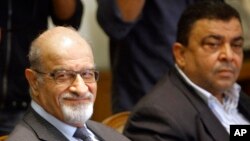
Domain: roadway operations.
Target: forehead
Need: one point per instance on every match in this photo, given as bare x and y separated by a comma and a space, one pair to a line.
67, 51
228, 29
74, 59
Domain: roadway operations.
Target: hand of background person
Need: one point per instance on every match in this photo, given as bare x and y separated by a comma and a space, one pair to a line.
64, 9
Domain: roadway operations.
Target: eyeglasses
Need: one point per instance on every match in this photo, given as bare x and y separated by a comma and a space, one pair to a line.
68, 76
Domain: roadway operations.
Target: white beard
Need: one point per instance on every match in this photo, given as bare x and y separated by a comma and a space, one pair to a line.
77, 114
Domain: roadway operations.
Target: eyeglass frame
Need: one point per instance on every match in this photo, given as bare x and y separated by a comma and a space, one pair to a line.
72, 75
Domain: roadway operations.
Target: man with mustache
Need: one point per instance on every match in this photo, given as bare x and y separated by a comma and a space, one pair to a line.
199, 98
62, 79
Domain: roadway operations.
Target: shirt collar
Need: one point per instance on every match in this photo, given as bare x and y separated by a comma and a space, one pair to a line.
231, 95
64, 128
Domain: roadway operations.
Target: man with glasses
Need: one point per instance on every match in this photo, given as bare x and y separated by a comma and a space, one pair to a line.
62, 79
21, 21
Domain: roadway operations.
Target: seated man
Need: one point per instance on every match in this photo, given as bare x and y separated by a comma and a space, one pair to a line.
63, 87
199, 98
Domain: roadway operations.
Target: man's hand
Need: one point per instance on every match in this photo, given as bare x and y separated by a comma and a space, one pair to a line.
64, 9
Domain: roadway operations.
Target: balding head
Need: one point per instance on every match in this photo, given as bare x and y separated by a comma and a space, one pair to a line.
56, 41
62, 76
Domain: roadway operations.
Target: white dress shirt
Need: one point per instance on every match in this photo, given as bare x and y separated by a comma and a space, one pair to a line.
227, 111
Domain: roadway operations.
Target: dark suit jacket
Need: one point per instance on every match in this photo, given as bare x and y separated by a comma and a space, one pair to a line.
174, 112
35, 128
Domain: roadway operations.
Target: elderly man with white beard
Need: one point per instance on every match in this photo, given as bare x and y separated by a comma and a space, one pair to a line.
62, 79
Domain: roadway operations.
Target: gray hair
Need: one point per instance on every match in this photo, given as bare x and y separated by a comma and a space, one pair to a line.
35, 56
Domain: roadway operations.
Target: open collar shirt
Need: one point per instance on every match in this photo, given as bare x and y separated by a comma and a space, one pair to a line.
227, 111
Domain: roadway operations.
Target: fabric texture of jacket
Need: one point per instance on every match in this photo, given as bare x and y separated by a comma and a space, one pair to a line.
34, 128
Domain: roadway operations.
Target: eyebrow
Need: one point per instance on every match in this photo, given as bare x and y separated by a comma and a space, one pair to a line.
239, 38
213, 36
218, 37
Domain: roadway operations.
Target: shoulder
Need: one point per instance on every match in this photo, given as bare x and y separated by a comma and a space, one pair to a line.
164, 94
34, 127
167, 108
22, 131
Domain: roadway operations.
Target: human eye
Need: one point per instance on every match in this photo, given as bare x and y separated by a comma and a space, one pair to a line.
88, 75
211, 44
62, 76
237, 45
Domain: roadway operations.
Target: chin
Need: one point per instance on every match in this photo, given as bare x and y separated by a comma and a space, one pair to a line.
77, 114
225, 86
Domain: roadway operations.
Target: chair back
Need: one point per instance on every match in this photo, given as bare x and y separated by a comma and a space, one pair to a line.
3, 138
117, 121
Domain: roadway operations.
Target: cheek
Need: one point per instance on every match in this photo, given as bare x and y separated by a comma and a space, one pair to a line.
239, 61
206, 64
93, 89
200, 64
53, 94
49, 102
193, 62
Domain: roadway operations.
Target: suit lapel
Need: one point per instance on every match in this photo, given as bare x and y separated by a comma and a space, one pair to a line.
100, 134
208, 119
244, 104
204, 115
42, 128
213, 126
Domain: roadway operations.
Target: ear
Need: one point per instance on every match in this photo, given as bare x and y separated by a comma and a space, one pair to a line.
32, 79
179, 54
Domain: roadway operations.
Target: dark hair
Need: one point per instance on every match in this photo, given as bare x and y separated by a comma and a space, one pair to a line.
210, 9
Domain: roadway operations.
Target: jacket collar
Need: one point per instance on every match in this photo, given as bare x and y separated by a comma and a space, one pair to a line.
43, 129
205, 115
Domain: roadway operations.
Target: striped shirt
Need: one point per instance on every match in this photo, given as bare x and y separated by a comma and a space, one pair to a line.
227, 111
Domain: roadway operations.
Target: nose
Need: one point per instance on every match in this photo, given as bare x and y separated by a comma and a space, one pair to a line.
226, 52
78, 86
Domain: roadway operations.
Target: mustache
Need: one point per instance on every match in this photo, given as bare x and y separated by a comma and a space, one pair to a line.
226, 67
87, 95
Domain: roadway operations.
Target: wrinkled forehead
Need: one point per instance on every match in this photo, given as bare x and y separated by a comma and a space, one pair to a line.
62, 38
226, 28
63, 44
